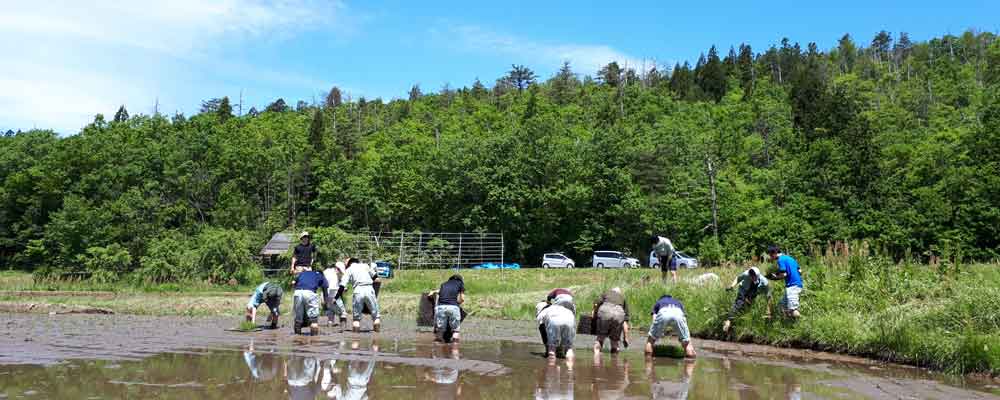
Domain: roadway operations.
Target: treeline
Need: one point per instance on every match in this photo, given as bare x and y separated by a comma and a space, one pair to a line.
896, 143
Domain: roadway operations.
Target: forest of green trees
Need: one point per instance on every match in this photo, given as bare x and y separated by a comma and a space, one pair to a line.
889, 141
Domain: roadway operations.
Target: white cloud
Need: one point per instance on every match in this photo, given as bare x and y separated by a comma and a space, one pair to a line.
585, 58
67, 60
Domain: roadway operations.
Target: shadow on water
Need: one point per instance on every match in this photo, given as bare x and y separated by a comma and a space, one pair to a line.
325, 368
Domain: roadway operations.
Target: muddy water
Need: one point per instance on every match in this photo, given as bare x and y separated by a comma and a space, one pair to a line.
81, 357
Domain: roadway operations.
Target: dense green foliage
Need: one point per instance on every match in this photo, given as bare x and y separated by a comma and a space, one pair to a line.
896, 143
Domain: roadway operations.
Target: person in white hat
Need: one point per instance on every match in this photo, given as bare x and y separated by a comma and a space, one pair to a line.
303, 255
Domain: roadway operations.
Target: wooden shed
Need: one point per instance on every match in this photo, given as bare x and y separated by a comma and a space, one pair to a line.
279, 244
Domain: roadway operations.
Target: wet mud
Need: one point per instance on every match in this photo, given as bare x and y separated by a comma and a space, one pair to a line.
116, 356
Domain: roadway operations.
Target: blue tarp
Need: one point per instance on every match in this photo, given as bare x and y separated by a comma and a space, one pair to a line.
497, 266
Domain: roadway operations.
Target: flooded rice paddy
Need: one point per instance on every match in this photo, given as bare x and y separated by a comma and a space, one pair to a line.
95, 357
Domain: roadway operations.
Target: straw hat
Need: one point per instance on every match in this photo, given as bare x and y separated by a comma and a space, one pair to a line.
304, 234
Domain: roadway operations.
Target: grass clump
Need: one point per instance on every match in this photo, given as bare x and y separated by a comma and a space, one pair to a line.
247, 326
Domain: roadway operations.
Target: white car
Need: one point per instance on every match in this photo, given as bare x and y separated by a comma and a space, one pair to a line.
557, 260
613, 259
680, 259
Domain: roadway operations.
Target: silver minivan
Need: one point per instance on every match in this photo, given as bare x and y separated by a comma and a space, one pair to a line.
557, 260
613, 259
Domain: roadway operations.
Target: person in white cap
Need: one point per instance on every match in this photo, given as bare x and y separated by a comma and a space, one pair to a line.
303, 255
335, 305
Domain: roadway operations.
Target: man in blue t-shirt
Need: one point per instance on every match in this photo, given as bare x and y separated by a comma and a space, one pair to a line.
668, 314
788, 269
305, 300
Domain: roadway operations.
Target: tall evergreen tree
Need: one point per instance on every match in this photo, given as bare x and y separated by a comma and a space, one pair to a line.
121, 115
713, 76
333, 98
225, 110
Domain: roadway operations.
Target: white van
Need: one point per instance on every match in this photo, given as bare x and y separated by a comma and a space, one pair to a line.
680, 259
613, 259
557, 260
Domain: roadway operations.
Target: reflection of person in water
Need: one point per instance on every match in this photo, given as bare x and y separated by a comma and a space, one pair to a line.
263, 367
793, 390
609, 380
555, 381
359, 373
445, 379
666, 389
302, 374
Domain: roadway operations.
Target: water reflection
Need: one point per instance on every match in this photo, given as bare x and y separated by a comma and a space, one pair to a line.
302, 374
263, 366
670, 387
610, 377
444, 378
555, 381
346, 369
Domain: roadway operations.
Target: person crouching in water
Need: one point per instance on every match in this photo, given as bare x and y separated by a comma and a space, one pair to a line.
335, 305
362, 276
668, 314
267, 293
305, 300
558, 325
751, 284
447, 314
562, 297
611, 319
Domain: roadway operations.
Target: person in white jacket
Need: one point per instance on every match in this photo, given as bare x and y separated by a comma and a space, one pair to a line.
362, 276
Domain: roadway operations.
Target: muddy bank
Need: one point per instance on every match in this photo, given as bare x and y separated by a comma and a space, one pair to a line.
496, 358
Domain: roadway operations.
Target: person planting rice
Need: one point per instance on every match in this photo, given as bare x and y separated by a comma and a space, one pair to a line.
562, 297
305, 300
788, 269
303, 254
558, 327
447, 314
362, 276
611, 319
668, 314
335, 305
751, 284
664, 249
266, 293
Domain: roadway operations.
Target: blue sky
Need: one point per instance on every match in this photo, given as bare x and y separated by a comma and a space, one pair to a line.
66, 60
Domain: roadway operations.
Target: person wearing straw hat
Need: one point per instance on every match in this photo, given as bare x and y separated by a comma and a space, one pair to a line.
303, 255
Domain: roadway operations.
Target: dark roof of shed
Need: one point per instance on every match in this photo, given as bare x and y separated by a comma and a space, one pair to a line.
279, 244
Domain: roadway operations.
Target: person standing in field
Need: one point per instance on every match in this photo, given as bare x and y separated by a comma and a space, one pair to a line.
558, 326
664, 250
447, 314
267, 293
305, 300
668, 314
788, 269
362, 276
303, 254
611, 319
335, 305
751, 284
